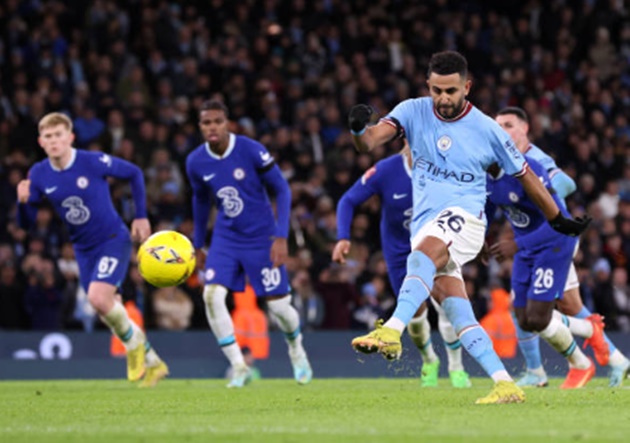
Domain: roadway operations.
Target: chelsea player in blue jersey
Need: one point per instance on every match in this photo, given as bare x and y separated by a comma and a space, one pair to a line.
390, 179
515, 122
540, 271
75, 182
452, 144
236, 172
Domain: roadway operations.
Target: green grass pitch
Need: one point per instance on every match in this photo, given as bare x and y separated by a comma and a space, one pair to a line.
327, 410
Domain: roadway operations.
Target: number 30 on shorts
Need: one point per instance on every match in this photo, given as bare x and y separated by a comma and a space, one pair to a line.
270, 278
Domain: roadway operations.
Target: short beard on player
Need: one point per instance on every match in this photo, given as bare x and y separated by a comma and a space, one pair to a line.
452, 111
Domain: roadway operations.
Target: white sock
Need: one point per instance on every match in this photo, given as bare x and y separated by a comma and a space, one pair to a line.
122, 327
289, 322
221, 323
450, 337
539, 371
501, 375
396, 324
557, 334
420, 332
579, 327
616, 358
151, 358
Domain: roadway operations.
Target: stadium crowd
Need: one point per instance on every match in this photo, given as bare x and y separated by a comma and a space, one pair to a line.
132, 75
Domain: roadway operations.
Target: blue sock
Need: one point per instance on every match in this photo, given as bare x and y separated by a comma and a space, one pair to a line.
472, 336
529, 344
585, 313
416, 287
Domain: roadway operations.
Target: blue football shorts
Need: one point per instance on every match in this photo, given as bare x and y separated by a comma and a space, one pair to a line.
227, 264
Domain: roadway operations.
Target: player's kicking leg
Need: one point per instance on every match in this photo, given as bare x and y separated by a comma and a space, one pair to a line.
142, 360
289, 322
420, 332
223, 329
479, 346
458, 376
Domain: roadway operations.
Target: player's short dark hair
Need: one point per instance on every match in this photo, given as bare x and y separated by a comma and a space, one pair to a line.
448, 62
516, 111
214, 105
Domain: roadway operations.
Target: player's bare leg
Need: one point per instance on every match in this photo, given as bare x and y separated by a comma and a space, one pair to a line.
289, 322
140, 354
223, 329
538, 316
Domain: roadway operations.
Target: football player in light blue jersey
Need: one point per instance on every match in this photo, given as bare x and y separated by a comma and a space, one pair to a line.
236, 172
75, 182
515, 122
452, 144
540, 270
390, 179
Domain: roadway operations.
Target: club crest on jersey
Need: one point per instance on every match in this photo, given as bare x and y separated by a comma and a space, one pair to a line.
513, 197
239, 174
444, 143
82, 182
369, 173
210, 274
106, 159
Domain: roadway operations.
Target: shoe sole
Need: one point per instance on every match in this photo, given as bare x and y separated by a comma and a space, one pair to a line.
512, 399
371, 348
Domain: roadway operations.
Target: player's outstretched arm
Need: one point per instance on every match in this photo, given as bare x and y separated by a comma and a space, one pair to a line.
119, 168
543, 199
26, 213
278, 185
342, 248
366, 137
562, 183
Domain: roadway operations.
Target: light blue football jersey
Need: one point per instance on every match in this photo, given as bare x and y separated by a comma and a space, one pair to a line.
450, 157
543, 158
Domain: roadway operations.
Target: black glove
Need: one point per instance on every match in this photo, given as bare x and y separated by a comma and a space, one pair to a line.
359, 117
569, 226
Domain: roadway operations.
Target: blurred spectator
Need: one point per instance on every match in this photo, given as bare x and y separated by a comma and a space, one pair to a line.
621, 292
43, 297
12, 313
172, 308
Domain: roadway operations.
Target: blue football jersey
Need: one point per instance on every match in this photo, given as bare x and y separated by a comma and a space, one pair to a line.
80, 195
450, 157
233, 180
525, 217
390, 179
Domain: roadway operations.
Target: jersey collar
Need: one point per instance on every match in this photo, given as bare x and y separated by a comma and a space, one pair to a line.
227, 152
467, 108
73, 157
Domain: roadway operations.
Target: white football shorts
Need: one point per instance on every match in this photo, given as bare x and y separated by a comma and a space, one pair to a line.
463, 234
